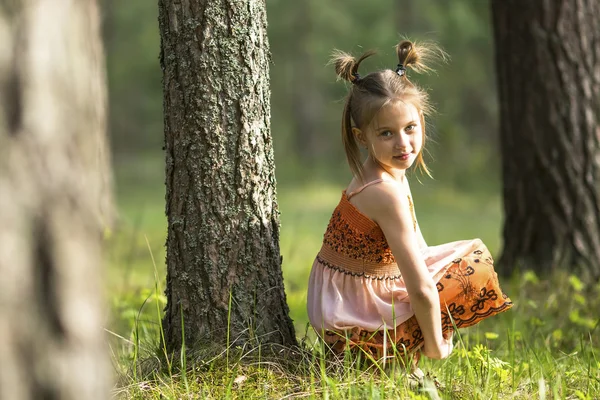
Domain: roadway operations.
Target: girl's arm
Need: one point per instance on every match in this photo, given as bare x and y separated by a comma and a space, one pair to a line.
387, 206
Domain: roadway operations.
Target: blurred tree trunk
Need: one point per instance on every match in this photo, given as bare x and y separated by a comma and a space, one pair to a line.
306, 99
224, 277
54, 201
548, 69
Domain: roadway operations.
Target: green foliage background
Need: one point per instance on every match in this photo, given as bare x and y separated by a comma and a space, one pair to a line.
306, 100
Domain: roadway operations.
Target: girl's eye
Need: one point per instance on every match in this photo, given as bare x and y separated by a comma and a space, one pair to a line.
410, 128
386, 134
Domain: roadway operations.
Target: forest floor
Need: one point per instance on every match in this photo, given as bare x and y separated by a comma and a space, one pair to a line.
546, 347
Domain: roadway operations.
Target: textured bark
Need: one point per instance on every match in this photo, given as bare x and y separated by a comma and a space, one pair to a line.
54, 201
223, 222
548, 68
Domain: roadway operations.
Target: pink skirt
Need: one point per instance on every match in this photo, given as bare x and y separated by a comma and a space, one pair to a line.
373, 313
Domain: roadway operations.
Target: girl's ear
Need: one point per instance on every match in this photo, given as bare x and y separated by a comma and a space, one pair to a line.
359, 136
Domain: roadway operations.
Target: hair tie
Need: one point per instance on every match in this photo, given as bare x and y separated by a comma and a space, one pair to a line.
401, 70
356, 76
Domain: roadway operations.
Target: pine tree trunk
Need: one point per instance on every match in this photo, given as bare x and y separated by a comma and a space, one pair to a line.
224, 276
54, 201
548, 68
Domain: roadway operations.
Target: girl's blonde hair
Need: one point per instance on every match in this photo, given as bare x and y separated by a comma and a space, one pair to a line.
370, 93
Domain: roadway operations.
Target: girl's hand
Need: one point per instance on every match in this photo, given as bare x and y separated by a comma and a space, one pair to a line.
439, 352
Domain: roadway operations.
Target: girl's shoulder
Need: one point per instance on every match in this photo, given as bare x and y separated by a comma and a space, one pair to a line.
375, 188
380, 198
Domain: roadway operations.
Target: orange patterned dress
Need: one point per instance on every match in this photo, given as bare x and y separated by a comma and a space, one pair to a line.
358, 299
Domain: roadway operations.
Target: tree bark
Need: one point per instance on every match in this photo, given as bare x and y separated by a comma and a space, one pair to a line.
548, 70
54, 201
224, 276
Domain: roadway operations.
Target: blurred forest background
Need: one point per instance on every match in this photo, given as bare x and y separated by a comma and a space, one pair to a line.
306, 100
462, 201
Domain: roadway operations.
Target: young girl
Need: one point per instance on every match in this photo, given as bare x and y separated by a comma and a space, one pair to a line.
375, 284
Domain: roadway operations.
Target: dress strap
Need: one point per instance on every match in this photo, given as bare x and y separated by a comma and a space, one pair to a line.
360, 189
410, 203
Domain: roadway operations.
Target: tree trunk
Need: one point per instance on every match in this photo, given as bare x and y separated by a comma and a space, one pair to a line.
548, 68
224, 276
54, 201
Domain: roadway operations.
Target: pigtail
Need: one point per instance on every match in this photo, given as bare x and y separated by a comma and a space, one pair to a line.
350, 146
346, 68
418, 57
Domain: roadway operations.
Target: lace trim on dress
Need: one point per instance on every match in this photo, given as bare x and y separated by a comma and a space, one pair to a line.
357, 274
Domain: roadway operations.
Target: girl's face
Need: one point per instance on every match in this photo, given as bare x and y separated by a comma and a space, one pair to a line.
395, 136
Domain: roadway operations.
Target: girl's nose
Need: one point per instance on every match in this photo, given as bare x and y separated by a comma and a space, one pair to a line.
402, 142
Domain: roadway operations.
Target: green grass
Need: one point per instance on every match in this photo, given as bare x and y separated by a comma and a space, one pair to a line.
547, 346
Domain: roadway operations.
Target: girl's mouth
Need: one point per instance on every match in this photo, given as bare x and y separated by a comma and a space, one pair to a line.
402, 156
